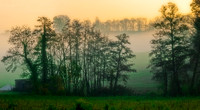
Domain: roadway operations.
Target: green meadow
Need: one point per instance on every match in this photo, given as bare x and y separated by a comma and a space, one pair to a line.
29, 102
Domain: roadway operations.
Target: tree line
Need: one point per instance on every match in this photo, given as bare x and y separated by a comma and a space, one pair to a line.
69, 57
176, 49
124, 25
72, 57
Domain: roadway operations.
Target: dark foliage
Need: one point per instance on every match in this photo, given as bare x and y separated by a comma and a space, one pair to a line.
171, 47
67, 57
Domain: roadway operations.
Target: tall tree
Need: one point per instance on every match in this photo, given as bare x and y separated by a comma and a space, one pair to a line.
87, 28
77, 36
195, 58
61, 24
173, 32
45, 33
159, 60
121, 55
21, 53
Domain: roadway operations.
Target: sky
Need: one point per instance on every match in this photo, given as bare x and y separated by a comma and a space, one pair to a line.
26, 12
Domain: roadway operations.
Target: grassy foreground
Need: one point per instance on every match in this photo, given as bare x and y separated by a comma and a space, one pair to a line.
30, 102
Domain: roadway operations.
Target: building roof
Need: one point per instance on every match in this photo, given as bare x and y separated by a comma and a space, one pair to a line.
7, 87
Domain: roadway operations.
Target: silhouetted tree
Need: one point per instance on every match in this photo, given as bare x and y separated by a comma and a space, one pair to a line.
133, 24
61, 24
77, 36
172, 31
159, 60
22, 53
195, 58
45, 33
121, 55
73, 57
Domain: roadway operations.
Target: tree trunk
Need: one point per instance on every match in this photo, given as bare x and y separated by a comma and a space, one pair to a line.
118, 69
33, 70
111, 81
44, 57
165, 83
70, 72
194, 75
176, 85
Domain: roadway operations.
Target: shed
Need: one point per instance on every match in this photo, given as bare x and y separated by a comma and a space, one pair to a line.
22, 85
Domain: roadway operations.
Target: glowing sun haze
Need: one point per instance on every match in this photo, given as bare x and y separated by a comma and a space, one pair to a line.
25, 12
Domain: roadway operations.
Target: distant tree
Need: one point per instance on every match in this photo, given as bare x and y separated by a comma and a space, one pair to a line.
139, 24
108, 25
133, 24
195, 58
97, 23
172, 31
59, 22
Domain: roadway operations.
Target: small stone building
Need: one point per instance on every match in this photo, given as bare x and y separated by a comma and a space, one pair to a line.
22, 85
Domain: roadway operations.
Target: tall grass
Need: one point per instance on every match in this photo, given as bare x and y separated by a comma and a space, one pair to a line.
26, 102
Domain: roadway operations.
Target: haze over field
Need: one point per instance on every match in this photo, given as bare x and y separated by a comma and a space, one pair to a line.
23, 12
140, 44
100, 54
6, 77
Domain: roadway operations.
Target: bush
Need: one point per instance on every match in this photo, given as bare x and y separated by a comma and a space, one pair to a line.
119, 90
81, 104
56, 85
123, 90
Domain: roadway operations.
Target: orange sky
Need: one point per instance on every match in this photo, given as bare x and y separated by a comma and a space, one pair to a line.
25, 12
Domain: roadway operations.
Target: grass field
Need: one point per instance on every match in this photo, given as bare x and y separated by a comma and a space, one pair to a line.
141, 81
29, 102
